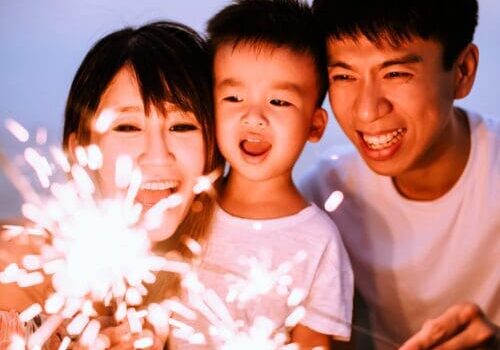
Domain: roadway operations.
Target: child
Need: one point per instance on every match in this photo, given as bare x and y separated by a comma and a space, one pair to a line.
269, 83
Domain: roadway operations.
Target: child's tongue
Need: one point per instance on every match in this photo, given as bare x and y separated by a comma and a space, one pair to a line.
255, 148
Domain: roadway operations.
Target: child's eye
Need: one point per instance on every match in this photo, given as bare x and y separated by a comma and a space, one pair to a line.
126, 128
398, 75
183, 127
232, 99
279, 103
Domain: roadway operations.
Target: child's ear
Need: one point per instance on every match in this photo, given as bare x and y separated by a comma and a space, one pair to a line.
318, 124
466, 68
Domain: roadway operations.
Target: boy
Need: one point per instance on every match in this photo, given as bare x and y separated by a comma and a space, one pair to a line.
269, 82
421, 215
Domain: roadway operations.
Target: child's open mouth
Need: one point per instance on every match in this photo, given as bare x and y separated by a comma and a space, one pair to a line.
254, 149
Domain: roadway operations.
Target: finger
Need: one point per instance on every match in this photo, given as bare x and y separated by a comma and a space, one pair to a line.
478, 333
438, 330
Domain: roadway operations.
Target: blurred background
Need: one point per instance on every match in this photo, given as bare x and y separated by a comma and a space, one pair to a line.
42, 43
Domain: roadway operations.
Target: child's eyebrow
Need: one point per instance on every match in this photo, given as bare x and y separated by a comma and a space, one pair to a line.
229, 82
285, 85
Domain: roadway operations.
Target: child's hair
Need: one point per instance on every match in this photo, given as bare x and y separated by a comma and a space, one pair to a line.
278, 23
450, 22
171, 64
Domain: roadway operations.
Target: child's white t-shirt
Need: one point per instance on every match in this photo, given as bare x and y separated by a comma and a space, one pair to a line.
325, 275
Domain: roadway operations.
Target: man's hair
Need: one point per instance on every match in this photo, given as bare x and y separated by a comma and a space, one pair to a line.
279, 23
450, 22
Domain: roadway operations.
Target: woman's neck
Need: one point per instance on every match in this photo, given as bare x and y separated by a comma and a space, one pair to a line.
273, 198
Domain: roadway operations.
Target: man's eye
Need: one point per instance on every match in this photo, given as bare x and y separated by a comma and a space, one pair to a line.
342, 77
279, 103
126, 128
183, 127
232, 99
397, 75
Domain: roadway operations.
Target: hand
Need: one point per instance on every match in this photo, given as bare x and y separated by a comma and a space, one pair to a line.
462, 326
120, 338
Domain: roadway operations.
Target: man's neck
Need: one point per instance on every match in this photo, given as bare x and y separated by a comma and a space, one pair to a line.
273, 198
444, 166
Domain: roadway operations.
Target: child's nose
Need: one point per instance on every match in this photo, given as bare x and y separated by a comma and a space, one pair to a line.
254, 118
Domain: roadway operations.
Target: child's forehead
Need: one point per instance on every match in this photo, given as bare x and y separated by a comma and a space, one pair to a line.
260, 48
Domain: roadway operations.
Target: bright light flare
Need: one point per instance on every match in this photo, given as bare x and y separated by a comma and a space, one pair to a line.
333, 201
17, 130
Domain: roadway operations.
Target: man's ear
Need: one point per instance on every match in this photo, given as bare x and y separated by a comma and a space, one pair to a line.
466, 68
318, 124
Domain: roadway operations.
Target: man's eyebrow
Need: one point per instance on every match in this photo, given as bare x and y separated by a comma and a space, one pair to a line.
407, 59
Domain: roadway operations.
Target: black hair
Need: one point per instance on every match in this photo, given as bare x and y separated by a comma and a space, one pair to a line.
279, 23
450, 22
171, 63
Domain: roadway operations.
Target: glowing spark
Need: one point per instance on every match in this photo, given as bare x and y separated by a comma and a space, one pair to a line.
144, 343
77, 324
154, 216
41, 136
94, 157
60, 159
334, 157
81, 156
30, 279
104, 121
257, 226
123, 168
17, 130
30, 313
64, 344
203, 184
17, 343
40, 165
333, 201
43, 333
296, 297
134, 321
90, 334
294, 318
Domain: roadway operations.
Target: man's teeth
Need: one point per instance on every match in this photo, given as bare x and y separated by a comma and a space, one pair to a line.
159, 185
385, 140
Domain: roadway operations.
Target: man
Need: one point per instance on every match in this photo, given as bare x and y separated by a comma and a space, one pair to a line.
421, 215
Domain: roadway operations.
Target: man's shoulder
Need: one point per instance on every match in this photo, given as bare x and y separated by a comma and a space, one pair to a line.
337, 169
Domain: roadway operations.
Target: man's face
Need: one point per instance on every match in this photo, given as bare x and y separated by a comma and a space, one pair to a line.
394, 104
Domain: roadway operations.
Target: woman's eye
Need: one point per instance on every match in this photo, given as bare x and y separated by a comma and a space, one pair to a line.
183, 127
279, 103
232, 99
126, 128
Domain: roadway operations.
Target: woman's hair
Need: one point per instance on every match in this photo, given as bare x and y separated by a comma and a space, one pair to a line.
171, 64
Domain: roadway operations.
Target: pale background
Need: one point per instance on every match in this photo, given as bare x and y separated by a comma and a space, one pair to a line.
42, 42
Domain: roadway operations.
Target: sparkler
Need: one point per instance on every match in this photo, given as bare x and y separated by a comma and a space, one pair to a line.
76, 227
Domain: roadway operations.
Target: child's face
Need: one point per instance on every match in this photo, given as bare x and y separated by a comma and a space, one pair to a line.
394, 104
169, 150
265, 107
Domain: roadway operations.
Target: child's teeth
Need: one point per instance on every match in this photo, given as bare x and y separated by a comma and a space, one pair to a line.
159, 185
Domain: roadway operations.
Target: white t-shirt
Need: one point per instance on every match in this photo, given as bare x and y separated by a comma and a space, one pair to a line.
325, 275
414, 259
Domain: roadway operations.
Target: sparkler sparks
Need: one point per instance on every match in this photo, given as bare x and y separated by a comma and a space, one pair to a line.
113, 233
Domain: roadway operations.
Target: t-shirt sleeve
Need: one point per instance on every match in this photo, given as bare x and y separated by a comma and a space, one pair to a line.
329, 303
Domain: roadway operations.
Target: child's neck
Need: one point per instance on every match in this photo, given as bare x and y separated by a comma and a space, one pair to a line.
273, 198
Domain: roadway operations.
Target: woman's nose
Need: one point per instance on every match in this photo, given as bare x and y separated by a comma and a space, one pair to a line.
157, 149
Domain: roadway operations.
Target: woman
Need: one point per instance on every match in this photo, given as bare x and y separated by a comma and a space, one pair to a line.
155, 83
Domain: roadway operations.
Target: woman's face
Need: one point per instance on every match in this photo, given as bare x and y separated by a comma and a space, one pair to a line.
169, 150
